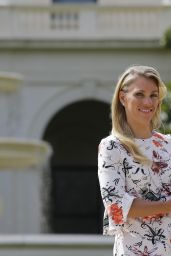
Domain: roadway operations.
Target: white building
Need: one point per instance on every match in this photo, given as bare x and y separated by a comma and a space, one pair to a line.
70, 54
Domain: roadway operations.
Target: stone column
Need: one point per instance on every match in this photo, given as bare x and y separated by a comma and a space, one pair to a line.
10, 104
22, 163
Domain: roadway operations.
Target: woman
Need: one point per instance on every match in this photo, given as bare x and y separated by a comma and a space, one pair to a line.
134, 168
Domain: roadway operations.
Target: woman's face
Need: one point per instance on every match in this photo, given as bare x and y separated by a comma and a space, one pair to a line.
140, 100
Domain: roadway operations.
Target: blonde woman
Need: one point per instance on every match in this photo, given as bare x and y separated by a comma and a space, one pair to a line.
134, 168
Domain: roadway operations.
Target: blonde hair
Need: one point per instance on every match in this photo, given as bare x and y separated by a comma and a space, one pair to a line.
120, 127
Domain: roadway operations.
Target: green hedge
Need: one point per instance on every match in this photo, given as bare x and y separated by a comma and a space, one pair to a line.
166, 40
166, 111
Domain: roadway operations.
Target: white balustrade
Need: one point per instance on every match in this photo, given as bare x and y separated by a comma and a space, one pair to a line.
86, 21
53, 245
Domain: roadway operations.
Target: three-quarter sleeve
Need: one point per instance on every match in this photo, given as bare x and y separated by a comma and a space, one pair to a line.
112, 181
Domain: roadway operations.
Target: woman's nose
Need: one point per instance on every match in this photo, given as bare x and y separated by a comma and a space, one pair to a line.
148, 101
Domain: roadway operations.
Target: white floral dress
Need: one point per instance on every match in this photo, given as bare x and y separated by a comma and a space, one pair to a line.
121, 180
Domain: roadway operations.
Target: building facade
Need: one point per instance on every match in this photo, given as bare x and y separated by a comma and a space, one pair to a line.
70, 54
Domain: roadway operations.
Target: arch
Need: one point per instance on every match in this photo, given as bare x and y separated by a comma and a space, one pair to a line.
74, 204
86, 91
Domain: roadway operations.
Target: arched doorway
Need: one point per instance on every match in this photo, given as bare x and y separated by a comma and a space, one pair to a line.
74, 133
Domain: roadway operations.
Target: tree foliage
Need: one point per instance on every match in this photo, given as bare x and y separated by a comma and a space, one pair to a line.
166, 112
166, 40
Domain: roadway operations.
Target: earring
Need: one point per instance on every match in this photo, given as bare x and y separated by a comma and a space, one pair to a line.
122, 103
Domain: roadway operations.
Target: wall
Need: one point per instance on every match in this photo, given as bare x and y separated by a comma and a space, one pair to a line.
52, 78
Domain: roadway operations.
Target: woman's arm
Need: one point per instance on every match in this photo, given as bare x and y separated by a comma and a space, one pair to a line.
111, 175
142, 208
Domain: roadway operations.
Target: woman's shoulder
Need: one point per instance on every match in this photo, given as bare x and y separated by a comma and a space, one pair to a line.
110, 148
163, 137
111, 143
110, 139
168, 137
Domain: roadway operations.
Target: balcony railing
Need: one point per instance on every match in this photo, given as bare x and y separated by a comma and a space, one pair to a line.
66, 245
83, 22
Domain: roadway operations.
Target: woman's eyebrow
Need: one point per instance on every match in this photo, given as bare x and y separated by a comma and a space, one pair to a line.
139, 90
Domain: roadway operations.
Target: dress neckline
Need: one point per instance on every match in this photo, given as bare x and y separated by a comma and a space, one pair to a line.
146, 139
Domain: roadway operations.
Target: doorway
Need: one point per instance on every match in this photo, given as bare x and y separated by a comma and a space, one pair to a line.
75, 204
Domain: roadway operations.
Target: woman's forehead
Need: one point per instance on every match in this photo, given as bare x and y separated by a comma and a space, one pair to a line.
140, 79
143, 84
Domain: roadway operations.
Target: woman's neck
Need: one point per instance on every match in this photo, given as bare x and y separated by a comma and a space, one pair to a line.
142, 132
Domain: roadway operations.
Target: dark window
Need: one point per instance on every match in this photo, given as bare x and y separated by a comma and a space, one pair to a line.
78, 206
75, 204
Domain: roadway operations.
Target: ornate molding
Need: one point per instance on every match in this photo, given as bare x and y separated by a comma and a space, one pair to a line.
20, 154
10, 82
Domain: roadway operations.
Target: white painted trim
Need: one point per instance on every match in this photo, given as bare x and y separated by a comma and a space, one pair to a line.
55, 240
10, 82
22, 154
88, 90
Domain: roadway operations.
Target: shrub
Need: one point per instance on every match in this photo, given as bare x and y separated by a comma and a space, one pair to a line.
166, 112
166, 40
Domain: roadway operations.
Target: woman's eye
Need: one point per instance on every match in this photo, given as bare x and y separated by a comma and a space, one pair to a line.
154, 96
139, 94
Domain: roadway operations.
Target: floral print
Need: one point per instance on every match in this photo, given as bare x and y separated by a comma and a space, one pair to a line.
121, 180
116, 213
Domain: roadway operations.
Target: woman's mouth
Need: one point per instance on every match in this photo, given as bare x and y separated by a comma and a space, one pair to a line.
145, 110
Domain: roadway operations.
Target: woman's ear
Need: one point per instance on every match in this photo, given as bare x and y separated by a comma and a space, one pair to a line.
122, 97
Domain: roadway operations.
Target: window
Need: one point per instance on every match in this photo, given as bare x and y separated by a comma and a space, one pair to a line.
74, 204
